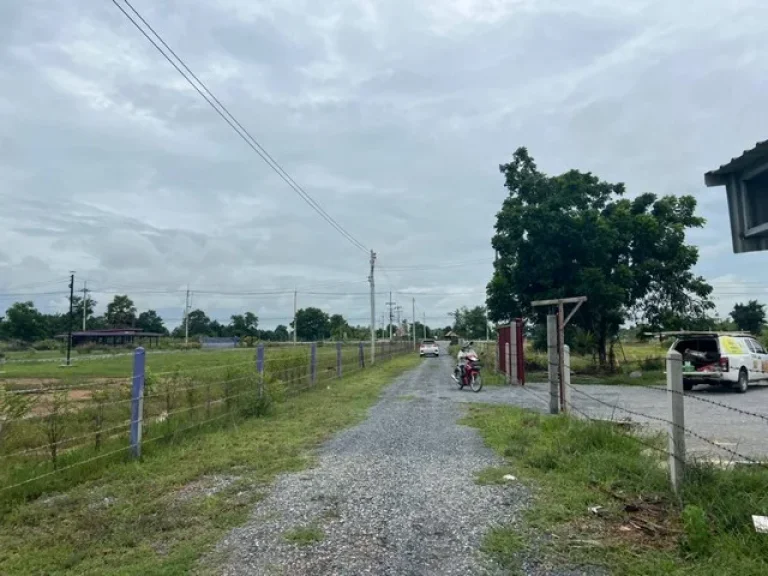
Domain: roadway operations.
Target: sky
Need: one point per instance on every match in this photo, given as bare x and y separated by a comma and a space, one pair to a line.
394, 116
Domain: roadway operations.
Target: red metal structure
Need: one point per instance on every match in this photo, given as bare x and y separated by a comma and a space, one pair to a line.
504, 338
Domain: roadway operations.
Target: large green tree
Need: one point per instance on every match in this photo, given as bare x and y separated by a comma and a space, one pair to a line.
312, 324
749, 317
574, 234
121, 312
25, 322
471, 323
244, 325
150, 321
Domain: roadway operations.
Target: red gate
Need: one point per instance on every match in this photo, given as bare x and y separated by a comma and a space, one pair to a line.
504, 338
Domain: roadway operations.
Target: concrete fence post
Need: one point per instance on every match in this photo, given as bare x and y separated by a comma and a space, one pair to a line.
512, 357
137, 401
567, 379
338, 359
553, 369
677, 419
313, 363
362, 356
260, 368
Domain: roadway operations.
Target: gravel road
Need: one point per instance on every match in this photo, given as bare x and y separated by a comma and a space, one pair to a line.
394, 495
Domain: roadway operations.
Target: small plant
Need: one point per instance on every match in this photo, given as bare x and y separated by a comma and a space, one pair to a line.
12, 407
697, 541
305, 535
54, 423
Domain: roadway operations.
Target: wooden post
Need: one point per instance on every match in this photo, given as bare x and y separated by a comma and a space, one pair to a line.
338, 359
313, 363
137, 401
552, 365
677, 419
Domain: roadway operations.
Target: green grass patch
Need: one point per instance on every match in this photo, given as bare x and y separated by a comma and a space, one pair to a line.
305, 535
504, 545
160, 515
606, 498
494, 475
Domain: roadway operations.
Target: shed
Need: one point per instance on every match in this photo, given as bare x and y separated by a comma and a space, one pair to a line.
746, 186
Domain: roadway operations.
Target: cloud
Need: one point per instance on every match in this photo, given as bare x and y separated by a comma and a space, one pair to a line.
394, 116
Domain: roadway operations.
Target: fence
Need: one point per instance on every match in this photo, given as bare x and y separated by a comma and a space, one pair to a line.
685, 419
48, 432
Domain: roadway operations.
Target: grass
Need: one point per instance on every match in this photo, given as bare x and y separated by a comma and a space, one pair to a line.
636, 526
146, 518
305, 535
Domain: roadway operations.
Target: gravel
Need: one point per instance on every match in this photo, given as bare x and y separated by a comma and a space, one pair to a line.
393, 495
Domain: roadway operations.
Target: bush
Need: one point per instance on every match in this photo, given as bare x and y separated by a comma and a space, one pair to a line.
46, 345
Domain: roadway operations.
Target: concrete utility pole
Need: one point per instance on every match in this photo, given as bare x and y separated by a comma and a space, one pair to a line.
295, 310
71, 317
186, 318
85, 304
413, 319
373, 308
390, 304
425, 325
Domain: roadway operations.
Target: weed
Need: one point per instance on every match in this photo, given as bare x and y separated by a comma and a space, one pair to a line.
305, 535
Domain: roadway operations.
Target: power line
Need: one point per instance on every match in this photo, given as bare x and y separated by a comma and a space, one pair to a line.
241, 131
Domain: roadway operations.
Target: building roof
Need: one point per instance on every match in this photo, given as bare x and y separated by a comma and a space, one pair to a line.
750, 157
112, 332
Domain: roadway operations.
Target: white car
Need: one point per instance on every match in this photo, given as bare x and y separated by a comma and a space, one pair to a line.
734, 360
429, 348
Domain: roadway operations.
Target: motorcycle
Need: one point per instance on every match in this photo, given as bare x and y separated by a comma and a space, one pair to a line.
470, 374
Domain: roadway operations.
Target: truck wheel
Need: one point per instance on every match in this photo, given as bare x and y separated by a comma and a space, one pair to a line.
743, 383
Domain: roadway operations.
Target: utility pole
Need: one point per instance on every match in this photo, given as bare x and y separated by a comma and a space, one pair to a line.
85, 304
186, 318
390, 304
373, 308
295, 324
71, 317
413, 328
425, 325
398, 309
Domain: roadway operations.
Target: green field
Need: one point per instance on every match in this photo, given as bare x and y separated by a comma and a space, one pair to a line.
161, 515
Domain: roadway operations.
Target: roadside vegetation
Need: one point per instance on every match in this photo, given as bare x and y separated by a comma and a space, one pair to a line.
162, 514
602, 497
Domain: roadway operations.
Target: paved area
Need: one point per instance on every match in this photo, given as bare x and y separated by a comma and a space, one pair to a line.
394, 495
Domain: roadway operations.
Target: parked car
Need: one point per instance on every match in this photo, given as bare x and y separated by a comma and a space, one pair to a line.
429, 348
733, 360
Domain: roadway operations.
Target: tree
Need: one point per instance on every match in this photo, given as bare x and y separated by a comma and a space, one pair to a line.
24, 322
77, 309
150, 321
574, 234
749, 317
338, 327
312, 324
121, 312
244, 325
471, 323
281, 333
199, 323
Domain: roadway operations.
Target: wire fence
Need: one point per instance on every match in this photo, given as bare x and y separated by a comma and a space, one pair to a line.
50, 432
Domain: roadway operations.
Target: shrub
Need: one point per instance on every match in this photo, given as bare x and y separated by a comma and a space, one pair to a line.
46, 345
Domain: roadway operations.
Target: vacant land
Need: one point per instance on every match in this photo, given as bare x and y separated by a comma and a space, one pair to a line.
160, 515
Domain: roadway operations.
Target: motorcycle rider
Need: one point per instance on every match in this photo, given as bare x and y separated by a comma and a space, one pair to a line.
461, 360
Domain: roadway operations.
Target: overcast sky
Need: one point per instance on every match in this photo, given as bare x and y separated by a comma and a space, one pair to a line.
393, 115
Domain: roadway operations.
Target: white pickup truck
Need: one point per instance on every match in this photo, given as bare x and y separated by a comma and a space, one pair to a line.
734, 360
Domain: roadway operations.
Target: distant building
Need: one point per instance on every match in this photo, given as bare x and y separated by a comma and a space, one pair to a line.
114, 337
209, 342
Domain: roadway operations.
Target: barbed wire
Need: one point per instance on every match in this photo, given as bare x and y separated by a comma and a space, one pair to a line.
713, 402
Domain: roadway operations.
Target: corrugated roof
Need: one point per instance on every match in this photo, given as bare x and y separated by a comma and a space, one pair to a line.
749, 157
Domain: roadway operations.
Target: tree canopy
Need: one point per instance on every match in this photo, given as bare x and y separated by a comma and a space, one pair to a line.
312, 324
121, 312
749, 317
574, 234
471, 323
